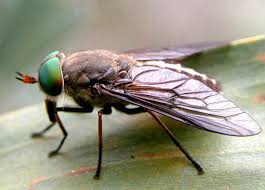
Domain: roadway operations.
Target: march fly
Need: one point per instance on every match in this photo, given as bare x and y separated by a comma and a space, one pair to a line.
151, 79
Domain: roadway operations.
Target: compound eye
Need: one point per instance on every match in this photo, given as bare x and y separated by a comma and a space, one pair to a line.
50, 75
51, 55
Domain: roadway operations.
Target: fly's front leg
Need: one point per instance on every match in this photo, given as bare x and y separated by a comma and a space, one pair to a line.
58, 121
105, 110
51, 110
40, 134
54, 152
54, 118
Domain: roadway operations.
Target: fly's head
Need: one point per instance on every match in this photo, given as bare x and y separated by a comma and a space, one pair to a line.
50, 77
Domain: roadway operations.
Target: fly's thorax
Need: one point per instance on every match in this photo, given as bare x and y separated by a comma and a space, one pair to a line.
83, 70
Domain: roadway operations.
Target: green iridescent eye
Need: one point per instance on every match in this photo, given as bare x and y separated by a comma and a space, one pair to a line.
51, 55
50, 75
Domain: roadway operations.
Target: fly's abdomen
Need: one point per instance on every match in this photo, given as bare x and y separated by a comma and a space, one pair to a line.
203, 78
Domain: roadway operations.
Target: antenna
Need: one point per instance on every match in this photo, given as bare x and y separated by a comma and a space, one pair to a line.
26, 78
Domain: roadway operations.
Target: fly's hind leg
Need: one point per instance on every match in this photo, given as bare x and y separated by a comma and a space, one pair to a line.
173, 138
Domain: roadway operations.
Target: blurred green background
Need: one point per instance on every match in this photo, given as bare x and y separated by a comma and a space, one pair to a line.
30, 29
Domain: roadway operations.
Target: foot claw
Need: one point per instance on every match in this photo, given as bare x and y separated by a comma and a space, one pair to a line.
200, 172
96, 177
36, 135
52, 153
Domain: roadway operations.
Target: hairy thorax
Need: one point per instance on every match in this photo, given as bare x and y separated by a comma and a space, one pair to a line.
83, 70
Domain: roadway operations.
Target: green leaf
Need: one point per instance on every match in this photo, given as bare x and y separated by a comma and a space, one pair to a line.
137, 154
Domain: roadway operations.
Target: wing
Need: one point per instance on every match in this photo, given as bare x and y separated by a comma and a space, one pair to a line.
166, 91
172, 54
